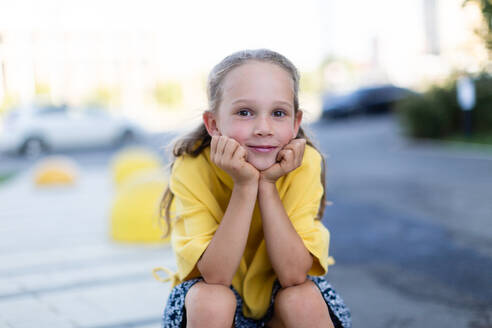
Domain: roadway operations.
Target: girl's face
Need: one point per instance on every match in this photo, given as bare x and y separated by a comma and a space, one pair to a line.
257, 110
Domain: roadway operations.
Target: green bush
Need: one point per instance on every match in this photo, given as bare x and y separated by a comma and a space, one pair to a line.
483, 109
436, 113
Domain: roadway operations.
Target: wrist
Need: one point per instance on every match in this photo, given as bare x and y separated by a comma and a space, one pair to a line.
264, 179
246, 186
265, 185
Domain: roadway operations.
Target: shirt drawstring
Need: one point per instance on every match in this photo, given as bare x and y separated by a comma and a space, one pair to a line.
171, 276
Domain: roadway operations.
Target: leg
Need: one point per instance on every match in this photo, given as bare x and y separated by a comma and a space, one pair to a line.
209, 305
300, 306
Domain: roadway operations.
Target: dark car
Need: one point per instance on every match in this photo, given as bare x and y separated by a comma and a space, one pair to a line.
373, 99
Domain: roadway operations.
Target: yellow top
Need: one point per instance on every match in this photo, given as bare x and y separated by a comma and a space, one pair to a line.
202, 192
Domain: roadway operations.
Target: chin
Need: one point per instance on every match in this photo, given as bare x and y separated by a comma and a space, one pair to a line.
262, 164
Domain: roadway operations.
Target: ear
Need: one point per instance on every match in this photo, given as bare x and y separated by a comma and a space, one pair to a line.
297, 122
210, 122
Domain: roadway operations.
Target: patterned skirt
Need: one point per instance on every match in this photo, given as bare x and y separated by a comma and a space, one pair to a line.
175, 315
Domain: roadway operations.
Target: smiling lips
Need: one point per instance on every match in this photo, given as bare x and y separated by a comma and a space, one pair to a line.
263, 149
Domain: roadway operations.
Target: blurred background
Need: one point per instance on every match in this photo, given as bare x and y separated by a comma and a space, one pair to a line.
397, 94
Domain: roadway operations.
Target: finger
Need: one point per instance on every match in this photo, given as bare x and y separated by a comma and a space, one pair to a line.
297, 141
302, 147
288, 157
221, 145
301, 143
297, 146
218, 150
289, 162
240, 154
299, 149
282, 155
230, 148
294, 143
213, 146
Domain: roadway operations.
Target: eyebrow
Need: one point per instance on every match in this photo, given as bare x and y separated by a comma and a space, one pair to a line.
282, 102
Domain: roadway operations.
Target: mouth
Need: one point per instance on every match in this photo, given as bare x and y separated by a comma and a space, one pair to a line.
262, 149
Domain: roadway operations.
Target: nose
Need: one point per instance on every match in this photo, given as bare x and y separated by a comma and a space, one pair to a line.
263, 127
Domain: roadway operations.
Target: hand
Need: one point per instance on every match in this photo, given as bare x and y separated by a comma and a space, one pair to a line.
230, 156
288, 159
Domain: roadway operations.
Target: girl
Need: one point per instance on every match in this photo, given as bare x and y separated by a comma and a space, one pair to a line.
246, 196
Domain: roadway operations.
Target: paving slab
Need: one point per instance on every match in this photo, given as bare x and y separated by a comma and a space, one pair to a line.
59, 266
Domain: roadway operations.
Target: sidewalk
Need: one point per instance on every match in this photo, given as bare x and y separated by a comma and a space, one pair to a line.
60, 269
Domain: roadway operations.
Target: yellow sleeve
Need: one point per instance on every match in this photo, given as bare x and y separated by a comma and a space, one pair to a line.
301, 201
194, 216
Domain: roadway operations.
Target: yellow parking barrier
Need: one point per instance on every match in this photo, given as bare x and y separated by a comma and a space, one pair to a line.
135, 210
133, 160
56, 170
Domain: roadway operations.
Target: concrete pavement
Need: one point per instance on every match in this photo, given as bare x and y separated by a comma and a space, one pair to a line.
59, 268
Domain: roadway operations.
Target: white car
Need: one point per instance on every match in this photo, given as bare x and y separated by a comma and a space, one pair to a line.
34, 130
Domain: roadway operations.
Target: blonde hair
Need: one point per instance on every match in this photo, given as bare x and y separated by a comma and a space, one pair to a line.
196, 141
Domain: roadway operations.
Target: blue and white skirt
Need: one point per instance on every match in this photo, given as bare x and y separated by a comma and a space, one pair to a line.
175, 314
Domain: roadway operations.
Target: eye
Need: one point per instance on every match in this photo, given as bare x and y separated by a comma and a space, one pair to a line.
244, 112
279, 113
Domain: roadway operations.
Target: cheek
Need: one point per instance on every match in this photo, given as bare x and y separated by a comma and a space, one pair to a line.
286, 135
238, 132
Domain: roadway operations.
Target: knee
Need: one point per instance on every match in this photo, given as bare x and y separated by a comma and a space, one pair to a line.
301, 301
209, 305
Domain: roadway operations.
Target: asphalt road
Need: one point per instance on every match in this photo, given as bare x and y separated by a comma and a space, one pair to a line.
411, 231
413, 219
